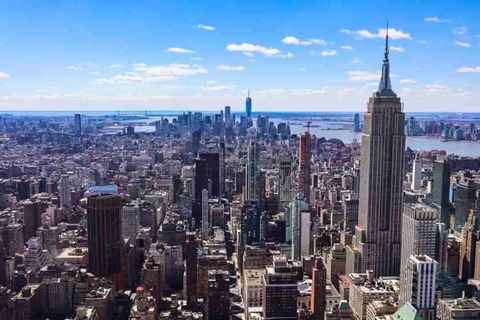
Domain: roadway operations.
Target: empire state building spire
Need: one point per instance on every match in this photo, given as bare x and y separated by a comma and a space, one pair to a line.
385, 87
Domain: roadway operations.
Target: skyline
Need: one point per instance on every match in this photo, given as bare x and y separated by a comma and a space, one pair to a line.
306, 57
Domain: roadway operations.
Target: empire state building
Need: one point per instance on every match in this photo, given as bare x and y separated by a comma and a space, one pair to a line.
377, 241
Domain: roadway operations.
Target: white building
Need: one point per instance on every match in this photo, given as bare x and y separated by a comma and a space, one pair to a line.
421, 272
417, 173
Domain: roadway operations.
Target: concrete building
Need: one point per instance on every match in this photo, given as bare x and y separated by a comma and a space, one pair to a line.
280, 290
218, 299
449, 309
130, 220
420, 279
416, 173
363, 290
305, 158
65, 190
253, 288
378, 233
253, 171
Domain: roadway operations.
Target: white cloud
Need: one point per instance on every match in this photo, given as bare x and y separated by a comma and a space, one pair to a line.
4, 75
301, 69
358, 76
469, 69
205, 27
74, 68
406, 89
219, 88
422, 41
173, 87
463, 44
211, 81
196, 59
251, 48
95, 73
347, 48
356, 60
248, 54
405, 81
328, 53
435, 88
115, 66
437, 20
399, 49
179, 50
297, 42
381, 33
460, 31
124, 78
230, 68
88, 64
172, 70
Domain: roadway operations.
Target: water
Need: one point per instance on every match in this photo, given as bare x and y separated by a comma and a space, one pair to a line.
324, 124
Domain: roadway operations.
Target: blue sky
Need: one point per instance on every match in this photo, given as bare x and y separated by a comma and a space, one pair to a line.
203, 55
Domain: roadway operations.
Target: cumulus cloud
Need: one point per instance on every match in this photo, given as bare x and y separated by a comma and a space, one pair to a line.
297, 42
205, 27
75, 68
125, 78
328, 53
435, 88
173, 87
301, 69
469, 69
196, 59
172, 70
405, 81
230, 68
252, 48
347, 48
356, 60
4, 75
437, 20
399, 49
381, 33
179, 50
463, 44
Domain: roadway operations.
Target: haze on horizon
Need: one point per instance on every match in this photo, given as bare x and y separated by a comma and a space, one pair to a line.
305, 56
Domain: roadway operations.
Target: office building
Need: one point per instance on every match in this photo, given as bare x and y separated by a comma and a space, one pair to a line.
319, 285
416, 173
419, 238
285, 178
378, 233
253, 171
301, 221
78, 124
280, 290
420, 281
218, 300
356, 123
449, 309
248, 106
65, 191
441, 189
130, 220
104, 234
465, 199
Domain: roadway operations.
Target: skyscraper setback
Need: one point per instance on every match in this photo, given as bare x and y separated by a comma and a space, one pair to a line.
378, 233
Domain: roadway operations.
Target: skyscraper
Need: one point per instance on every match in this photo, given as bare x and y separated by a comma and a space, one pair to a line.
104, 234
218, 300
356, 123
78, 124
300, 228
253, 170
130, 220
378, 234
421, 274
228, 116
65, 191
318, 301
419, 232
285, 178
465, 199
441, 189
417, 173
305, 155
248, 106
